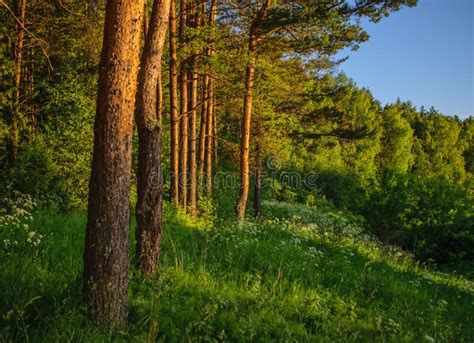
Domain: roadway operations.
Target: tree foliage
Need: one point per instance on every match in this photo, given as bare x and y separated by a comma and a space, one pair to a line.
375, 159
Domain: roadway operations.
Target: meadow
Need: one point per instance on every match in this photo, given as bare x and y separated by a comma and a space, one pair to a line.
298, 273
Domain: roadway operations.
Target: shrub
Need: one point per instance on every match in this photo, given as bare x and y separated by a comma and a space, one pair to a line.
432, 216
344, 188
35, 171
55, 159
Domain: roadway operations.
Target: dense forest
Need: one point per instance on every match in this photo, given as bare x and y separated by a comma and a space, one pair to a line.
201, 170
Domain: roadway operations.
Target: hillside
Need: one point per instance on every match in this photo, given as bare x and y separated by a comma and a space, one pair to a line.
298, 274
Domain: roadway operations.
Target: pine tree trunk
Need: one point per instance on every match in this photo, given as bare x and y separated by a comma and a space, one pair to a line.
202, 129
14, 129
245, 129
257, 201
106, 242
213, 94
148, 116
214, 128
210, 105
208, 158
192, 189
183, 80
174, 168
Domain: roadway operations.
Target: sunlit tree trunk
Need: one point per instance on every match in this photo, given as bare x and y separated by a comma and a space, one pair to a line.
174, 164
193, 74
208, 150
254, 37
211, 104
183, 80
148, 116
245, 128
106, 244
214, 128
202, 129
257, 200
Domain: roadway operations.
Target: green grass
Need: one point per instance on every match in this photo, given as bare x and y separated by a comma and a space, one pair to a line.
299, 274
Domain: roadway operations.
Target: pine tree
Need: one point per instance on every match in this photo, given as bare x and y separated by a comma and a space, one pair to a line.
148, 115
106, 245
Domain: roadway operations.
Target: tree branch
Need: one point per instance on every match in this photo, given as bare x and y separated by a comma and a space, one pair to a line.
68, 10
29, 32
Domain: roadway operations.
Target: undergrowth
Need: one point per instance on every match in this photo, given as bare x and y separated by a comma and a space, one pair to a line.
299, 273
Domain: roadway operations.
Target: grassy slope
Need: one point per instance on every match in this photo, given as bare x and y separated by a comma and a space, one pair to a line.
310, 277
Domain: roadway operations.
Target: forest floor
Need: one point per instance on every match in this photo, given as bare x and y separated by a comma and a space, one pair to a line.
297, 274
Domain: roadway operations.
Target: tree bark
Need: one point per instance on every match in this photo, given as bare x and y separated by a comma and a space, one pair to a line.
192, 187
257, 200
214, 128
148, 116
174, 169
202, 127
208, 158
245, 128
106, 242
183, 160
210, 105
254, 37
203, 130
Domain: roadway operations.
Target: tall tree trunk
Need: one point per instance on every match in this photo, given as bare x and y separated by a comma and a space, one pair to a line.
208, 158
174, 169
20, 39
192, 190
214, 127
245, 128
202, 127
106, 242
183, 148
148, 116
210, 105
257, 201
202, 130
183, 158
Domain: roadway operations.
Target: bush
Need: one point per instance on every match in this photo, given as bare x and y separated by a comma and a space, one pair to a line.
344, 188
432, 216
35, 170
54, 160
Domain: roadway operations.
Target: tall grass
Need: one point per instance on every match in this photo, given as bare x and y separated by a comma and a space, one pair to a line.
297, 274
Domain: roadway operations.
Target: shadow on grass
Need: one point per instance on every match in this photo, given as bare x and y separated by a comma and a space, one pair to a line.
211, 287
376, 286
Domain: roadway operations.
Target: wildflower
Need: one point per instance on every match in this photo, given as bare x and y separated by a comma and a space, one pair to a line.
429, 338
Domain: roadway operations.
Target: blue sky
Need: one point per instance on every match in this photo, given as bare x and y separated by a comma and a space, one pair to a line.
422, 54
